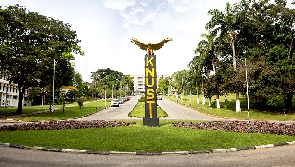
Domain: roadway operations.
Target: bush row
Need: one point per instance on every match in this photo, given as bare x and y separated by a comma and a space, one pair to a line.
62, 125
243, 127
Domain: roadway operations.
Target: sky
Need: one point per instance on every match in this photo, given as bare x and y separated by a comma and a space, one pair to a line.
105, 28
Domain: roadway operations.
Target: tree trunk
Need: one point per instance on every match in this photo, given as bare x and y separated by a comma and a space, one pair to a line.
198, 99
238, 105
203, 95
209, 102
20, 101
217, 96
291, 47
63, 107
217, 100
234, 54
288, 100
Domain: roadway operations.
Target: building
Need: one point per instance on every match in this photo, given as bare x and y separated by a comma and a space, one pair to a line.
138, 80
65, 89
9, 93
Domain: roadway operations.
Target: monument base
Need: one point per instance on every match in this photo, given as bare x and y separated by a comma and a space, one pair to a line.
151, 121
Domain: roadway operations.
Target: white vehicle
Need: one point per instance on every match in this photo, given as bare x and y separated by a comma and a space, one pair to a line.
115, 103
121, 100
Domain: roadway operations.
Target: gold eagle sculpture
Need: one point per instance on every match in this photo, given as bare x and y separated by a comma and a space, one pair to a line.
151, 47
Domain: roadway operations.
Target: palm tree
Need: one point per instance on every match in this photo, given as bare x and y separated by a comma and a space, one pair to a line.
225, 23
195, 74
206, 62
199, 60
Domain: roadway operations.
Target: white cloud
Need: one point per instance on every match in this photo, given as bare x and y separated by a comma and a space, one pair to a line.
164, 15
184, 5
143, 3
118, 5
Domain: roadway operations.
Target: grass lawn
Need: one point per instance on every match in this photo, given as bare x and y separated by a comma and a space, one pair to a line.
139, 138
71, 111
10, 111
139, 111
227, 109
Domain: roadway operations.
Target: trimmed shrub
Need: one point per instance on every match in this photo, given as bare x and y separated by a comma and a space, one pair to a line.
62, 125
263, 127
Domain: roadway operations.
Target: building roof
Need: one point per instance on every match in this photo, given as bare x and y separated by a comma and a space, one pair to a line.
68, 87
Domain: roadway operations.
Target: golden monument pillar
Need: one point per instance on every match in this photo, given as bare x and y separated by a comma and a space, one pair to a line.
150, 80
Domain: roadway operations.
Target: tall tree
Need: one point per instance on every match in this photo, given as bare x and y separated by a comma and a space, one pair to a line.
268, 35
180, 78
163, 85
127, 84
227, 25
30, 43
195, 73
204, 59
108, 79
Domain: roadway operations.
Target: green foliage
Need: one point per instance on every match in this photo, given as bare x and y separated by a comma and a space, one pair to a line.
35, 96
83, 90
127, 85
142, 99
113, 82
163, 85
80, 102
180, 80
71, 95
252, 31
30, 43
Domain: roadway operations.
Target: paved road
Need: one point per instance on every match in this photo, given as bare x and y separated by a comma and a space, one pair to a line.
178, 112
281, 156
114, 113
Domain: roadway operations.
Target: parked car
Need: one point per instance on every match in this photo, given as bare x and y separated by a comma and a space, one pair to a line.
159, 97
115, 103
121, 100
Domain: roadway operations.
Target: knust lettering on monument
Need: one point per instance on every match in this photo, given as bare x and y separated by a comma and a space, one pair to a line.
150, 118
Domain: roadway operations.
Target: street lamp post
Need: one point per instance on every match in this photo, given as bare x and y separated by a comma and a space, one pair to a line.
95, 78
190, 93
95, 93
113, 91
